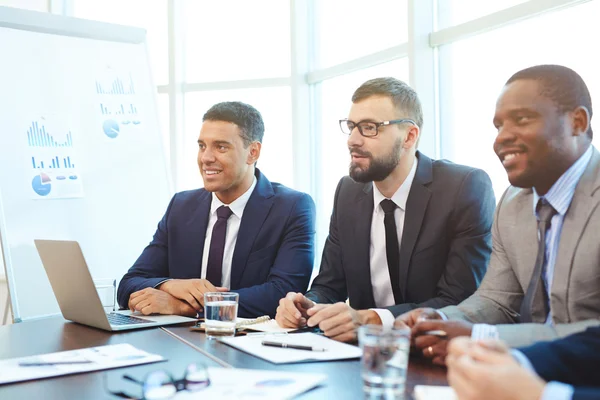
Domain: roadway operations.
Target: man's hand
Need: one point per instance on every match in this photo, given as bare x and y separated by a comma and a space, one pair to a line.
292, 310
339, 321
493, 375
190, 290
435, 347
153, 301
412, 317
464, 345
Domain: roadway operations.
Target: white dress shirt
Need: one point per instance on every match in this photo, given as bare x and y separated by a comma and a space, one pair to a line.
233, 227
380, 275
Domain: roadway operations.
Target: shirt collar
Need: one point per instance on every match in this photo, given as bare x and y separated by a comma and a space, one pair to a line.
237, 206
562, 191
401, 195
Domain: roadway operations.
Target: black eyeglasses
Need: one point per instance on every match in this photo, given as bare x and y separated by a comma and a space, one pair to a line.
161, 385
369, 129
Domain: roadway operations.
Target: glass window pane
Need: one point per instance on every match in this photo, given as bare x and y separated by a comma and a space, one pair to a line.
35, 5
455, 12
468, 89
150, 15
236, 39
349, 29
163, 116
276, 157
334, 158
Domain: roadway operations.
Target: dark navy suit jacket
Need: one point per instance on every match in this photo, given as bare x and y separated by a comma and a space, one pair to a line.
273, 255
446, 242
573, 360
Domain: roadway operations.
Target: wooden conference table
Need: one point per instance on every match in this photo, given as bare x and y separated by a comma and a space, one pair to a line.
180, 347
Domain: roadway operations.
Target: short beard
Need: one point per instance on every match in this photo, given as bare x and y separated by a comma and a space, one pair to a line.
379, 168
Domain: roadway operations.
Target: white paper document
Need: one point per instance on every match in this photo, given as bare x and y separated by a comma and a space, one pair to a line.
424, 392
277, 355
229, 383
73, 362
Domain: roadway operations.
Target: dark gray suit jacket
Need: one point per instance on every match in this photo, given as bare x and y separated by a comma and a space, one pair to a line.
445, 244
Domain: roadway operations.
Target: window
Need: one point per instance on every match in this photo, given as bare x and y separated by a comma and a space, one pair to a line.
349, 29
150, 15
331, 144
469, 86
35, 5
276, 158
162, 103
236, 39
455, 12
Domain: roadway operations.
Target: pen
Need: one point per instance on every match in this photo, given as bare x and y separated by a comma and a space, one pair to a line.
43, 363
291, 346
438, 333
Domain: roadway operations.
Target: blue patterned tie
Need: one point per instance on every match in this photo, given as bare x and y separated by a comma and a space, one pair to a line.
214, 267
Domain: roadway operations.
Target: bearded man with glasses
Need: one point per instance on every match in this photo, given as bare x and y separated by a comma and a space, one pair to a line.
406, 231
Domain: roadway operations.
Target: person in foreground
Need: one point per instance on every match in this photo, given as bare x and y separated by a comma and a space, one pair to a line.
563, 369
535, 289
240, 232
406, 231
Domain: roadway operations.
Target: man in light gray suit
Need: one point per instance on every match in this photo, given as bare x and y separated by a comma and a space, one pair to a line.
534, 289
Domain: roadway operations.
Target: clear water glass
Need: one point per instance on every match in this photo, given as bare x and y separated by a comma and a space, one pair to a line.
384, 361
220, 313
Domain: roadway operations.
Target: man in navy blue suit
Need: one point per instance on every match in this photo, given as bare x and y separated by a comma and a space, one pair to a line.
240, 232
564, 369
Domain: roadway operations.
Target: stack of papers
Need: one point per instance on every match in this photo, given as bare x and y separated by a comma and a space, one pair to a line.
423, 392
73, 362
333, 350
228, 383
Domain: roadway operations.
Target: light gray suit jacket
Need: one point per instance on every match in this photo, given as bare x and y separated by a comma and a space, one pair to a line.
575, 289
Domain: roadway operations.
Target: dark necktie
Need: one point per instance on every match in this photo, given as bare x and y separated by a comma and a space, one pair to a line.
536, 287
214, 267
392, 248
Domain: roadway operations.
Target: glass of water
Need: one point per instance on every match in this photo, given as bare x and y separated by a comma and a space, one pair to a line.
220, 313
107, 291
384, 360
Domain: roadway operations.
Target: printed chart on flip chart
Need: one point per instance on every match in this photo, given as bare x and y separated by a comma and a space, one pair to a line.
52, 160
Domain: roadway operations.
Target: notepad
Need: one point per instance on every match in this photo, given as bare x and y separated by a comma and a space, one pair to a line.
333, 350
424, 392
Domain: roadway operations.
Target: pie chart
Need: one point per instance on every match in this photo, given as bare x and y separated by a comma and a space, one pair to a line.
111, 128
41, 184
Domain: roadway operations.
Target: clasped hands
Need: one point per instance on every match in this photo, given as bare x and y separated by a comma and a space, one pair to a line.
173, 297
338, 321
424, 320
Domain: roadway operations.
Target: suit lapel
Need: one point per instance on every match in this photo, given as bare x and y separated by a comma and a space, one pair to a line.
362, 246
254, 216
575, 221
416, 205
197, 225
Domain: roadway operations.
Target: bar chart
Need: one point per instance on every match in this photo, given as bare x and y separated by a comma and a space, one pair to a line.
55, 162
37, 136
120, 109
115, 86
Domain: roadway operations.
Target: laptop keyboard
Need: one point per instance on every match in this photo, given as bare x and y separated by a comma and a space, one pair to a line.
120, 319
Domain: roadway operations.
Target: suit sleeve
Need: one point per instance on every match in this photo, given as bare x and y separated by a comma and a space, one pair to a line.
470, 245
499, 297
152, 266
330, 285
571, 360
292, 267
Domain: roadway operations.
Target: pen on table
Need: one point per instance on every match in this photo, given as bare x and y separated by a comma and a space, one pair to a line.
49, 363
438, 333
291, 346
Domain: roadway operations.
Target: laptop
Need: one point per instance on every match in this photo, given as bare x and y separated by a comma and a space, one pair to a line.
77, 296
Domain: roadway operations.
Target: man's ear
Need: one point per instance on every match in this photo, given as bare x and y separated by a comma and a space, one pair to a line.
580, 120
254, 153
412, 137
